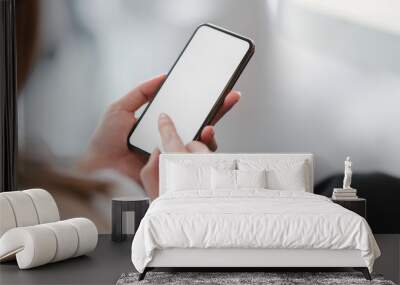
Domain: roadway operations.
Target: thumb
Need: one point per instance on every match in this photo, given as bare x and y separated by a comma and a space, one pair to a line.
170, 140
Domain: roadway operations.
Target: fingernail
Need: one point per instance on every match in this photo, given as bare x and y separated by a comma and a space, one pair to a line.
239, 93
162, 116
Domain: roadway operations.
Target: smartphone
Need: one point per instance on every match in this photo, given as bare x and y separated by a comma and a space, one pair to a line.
195, 87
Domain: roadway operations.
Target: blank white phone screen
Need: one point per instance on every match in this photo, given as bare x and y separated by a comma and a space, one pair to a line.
192, 87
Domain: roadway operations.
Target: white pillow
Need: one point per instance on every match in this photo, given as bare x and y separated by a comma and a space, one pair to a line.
188, 175
223, 179
281, 174
251, 178
182, 178
237, 179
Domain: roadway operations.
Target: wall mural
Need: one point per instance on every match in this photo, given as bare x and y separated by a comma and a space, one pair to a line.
317, 83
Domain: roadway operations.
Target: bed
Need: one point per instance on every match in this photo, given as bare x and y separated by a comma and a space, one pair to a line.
247, 211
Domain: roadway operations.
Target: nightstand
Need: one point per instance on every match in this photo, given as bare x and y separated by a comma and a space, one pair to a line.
127, 212
357, 205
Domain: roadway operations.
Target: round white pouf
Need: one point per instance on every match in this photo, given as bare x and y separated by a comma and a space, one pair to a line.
23, 208
7, 218
45, 205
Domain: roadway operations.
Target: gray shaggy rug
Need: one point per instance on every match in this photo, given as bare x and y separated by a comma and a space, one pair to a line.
269, 278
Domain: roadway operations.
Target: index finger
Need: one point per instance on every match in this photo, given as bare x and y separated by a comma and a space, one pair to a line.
170, 140
140, 95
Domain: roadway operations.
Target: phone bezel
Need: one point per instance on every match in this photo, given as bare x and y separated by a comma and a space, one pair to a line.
221, 97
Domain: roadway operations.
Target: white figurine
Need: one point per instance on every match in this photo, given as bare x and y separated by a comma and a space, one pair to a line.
347, 174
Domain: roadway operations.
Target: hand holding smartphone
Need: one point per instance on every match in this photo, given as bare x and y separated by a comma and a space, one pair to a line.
195, 87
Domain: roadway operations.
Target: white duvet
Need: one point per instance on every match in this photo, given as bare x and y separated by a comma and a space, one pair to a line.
250, 219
